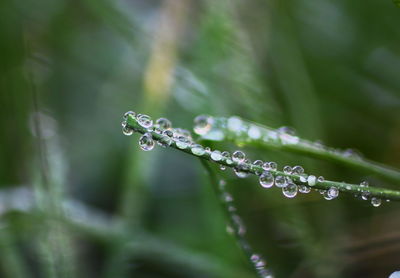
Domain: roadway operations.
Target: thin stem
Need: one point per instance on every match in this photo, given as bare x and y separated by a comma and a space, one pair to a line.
246, 133
376, 192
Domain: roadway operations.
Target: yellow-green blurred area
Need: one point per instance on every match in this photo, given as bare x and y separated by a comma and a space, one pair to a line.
80, 199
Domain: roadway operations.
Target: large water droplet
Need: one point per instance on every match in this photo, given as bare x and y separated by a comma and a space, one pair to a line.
297, 170
280, 181
163, 123
203, 124
273, 166
198, 150
311, 180
146, 142
254, 132
182, 142
304, 189
333, 192
266, 179
227, 156
241, 170
234, 124
145, 121
290, 190
216, 155
127, 130
376, 202
259, 164
238, 156
287, 170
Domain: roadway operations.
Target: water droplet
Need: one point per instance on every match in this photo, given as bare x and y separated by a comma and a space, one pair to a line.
216, 155
226, 197
280, 181
266, 166
273, 166
266, 179
365, 195
326, 195
227, 156
321, 179
164, 123
240, 227
258, 163
311, 180
145, 121
234, 124
364, 184
395, 274
254, 132
376, 202
222, 184
126, 130
241, 170
146, 142
238, 156
222, 167
287, 170
123, 123
198, 150
333, 192
129, 113
303, 178
182, 142
203, 124
297, 170
304, 189
290, 190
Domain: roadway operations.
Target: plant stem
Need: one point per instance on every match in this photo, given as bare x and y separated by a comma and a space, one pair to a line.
380, 193
275, 139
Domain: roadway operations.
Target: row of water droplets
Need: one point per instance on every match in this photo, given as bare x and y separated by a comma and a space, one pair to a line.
237, 228
165, 135
204, 126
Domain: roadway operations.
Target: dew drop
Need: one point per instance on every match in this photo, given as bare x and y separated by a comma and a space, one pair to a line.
364, 184
166, 138
297, 170
266, 166
198, 150
311, 180
146, 142
241, 170
203, 124
145, 121
163, 123
273, 166
287, 170
222, 167
182, 142
216, 155
321, 179
376, 202
365, 195
234, 124
290, 190
129, 113
280, 181
258, 163
126, 130
333, 192
227, 156
254, 132
326, 195
303, 178
266, 179
123, 123
238, 156
304, 189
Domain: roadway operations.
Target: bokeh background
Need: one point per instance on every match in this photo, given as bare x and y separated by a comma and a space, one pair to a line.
79, 199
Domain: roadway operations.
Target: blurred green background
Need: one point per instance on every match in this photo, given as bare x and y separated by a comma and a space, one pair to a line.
79, 199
